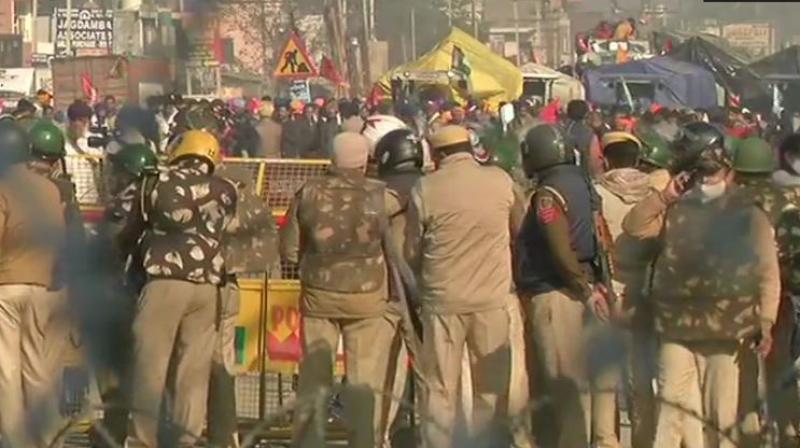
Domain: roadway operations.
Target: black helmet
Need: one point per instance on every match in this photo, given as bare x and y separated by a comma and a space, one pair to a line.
399, 150
700, 145
544, 146
15, 146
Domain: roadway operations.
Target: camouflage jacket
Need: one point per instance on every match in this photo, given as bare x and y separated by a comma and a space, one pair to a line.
182, 215
716, 274
788, 235
250, 243
341, 218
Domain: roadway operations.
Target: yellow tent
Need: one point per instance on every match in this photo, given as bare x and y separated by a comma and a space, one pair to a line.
492, 77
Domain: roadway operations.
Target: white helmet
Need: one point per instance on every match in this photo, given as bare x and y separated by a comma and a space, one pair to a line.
376, 126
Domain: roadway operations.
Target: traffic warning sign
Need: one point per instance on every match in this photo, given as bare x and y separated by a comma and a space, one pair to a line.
294, 61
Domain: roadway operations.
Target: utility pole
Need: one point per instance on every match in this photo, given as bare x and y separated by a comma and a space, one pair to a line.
69, 28
449, 13
516, 30
264, 39
475, 19
366, 43
413, 33
372, 19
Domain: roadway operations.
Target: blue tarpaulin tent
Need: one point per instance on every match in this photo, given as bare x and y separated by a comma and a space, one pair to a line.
661, 80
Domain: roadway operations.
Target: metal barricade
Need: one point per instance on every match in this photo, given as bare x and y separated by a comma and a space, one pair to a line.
267, 333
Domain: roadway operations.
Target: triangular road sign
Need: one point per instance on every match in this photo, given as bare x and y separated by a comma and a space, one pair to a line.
294, 61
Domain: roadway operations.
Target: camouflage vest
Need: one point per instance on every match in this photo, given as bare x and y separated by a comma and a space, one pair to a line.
706, 279
788, 237
343, 218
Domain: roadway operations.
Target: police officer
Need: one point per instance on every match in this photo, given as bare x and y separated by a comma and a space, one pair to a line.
458, 234
340, 218
555, 278
702, 231
32, 333
113, 315
655, 159
754, 163
250, 246
182, 217
400, 159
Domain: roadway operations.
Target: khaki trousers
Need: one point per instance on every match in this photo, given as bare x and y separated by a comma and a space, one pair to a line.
556, 322
174, 329
486, 337
33, 334
397, 374
698, 382
222, 429
366, 350
641, 374
781, 397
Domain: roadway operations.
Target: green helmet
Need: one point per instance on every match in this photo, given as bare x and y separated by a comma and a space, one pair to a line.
753, 155
545, 147
503, 147
47, 141
135, 159
14, 143
656, 149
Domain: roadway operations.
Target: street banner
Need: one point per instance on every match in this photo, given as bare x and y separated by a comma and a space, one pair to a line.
90, 31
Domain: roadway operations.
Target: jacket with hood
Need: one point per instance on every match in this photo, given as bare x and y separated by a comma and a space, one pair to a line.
621, 189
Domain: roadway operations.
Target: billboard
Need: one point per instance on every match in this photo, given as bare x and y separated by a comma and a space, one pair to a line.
757, 39
89, 32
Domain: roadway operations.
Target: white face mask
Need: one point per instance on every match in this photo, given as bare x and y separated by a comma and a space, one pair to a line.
796, 166
712, 191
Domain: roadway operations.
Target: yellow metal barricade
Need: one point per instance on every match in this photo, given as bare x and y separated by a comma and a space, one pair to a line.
274, 331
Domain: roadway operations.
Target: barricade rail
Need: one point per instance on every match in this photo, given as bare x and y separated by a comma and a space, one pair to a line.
267, 332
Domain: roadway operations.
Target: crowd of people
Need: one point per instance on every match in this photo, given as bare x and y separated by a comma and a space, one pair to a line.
527, 275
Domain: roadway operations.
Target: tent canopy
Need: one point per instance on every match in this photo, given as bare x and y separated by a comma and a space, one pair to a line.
783, 64
492, 77
565, 87
730, 70
666, 81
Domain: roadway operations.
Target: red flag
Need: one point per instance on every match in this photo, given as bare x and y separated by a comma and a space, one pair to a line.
89, 91
218, 47
734, 101
327, 70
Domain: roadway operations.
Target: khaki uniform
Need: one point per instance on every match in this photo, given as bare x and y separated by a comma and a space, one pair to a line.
335, 231
620, 190
780, 205
458, 244
632, 272
181, 219
250, 245
704, 315
33, 330
556, 321
403, 346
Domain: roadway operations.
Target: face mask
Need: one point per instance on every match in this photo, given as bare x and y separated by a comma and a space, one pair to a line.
796, 166
712, 191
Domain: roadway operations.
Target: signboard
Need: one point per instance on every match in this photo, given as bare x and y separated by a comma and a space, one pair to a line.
299, 90
755, 38
10, 50
90, 31
295, 62
17, 80
201, 51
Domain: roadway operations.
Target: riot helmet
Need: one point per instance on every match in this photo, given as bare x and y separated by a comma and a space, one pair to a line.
544, 147
399, 150
14, 143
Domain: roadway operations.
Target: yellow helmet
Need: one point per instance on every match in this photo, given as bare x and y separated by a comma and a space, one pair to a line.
197, 143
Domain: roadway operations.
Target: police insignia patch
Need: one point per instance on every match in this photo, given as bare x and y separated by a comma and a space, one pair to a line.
546, 209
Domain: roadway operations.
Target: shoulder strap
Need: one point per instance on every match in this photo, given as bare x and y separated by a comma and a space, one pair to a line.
559, 197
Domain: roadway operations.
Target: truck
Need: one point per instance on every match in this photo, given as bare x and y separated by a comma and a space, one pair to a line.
127, 78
